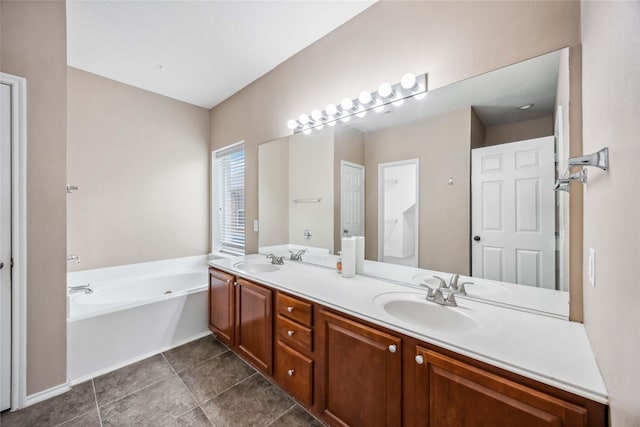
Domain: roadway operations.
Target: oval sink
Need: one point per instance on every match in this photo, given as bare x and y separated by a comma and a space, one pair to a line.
256, 267
413, 309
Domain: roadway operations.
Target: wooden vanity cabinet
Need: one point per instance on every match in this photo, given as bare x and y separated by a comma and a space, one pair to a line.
294, 357
360, 373
448, 392
221, 305
254, 324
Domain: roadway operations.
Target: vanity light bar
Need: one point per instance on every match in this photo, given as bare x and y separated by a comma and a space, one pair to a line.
409, 86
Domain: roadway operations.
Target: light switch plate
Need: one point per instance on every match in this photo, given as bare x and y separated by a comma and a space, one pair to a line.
592, 267
255, 225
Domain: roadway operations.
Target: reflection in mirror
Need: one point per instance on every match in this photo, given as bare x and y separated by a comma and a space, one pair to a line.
458, 182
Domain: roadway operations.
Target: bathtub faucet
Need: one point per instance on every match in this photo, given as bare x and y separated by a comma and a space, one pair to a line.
81, 288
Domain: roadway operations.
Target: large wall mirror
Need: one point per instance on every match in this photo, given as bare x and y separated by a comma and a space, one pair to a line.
460, 181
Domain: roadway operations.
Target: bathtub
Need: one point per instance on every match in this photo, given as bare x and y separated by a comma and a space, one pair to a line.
134, 312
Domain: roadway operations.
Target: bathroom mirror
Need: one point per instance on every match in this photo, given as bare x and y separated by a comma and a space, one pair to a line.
458, 182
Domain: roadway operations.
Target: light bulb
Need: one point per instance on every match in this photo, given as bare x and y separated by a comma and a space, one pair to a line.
331, 109
347, 104
365, 97
304, 119
398, 103
331, 123
292, 124
385, 90
379, 108
408, 81
317, 114
420, 96
345, 119
319, 127
307, 131
361, 113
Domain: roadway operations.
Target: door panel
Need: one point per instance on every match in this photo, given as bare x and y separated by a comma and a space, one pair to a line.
221, 300
513, 217
352, 199
5, 247
254, 324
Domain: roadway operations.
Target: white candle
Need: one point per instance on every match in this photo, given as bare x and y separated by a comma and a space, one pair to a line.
348, 257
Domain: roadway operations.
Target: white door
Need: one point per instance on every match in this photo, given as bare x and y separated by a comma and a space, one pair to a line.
513, 212
351, 199
5, 247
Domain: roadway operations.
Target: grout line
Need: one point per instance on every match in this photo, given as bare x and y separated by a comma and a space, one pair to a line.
70, 419
95, 396
169, 363
199, 363
229, 388
283, 414
137, 390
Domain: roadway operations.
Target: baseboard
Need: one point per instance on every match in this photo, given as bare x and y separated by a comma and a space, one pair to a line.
46, 394
136, 359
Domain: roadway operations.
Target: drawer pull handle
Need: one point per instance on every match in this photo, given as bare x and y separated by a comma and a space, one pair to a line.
290, 372
289, 309
393, 348
290, 333
419, 360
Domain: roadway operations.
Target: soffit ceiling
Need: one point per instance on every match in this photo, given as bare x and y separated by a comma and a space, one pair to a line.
200, 52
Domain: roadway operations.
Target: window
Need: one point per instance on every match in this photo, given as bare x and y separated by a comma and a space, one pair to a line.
228, 200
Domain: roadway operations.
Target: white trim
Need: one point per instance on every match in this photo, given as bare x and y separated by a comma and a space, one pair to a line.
381, 166
46, 394
19, 240
344, 163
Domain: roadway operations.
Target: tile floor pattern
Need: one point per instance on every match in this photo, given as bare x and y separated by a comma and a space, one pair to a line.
201, 383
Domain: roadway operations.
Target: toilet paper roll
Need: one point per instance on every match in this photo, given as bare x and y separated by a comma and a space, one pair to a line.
359, 254
348, 257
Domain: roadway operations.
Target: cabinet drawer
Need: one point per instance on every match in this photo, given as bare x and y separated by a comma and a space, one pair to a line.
294, 309
295, 372
293, 334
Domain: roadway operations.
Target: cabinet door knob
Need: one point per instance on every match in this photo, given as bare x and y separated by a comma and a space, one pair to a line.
289, 309
228, 281
235, 283
393, 348
290, 372
419, 360
290, 333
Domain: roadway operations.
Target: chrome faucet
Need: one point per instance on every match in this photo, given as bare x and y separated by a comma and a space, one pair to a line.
278, 260
81, 288
452, 288
75, 258
298, 255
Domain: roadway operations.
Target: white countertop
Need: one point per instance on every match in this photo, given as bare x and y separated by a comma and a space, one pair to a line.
547, 349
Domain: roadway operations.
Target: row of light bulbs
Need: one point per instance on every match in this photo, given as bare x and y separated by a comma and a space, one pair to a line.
410, 85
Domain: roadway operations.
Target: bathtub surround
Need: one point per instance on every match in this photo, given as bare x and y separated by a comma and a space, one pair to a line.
200, 383
142, 164
134, 311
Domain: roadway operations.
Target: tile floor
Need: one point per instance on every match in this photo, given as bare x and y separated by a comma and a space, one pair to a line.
201, 383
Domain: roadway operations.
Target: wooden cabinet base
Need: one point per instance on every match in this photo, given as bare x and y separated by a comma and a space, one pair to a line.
294, 372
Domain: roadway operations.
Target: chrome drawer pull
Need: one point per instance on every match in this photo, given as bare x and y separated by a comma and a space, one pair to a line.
290, 372
289, 309
290, 333
392, 348
419, 360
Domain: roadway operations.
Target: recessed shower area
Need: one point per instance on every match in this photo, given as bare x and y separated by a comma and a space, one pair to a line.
398, 213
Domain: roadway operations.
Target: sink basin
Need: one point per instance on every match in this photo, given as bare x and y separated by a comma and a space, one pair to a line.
256, 267
413, 309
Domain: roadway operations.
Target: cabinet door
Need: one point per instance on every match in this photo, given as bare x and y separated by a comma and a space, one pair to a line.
360, 373
452, 393
254, 324
221, 305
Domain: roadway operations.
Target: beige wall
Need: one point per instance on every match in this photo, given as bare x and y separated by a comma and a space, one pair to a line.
349, 146
519, 131
33, 45
449, 40
274, 192
443, 146
141, 162
611, 107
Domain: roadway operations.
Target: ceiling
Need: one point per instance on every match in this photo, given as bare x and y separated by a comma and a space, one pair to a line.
495, 96
200, 52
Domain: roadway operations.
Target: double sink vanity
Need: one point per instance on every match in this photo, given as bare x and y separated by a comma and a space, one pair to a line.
365, 351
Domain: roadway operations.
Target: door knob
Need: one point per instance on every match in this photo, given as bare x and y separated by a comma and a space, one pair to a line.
476, 238
345, 231
1, 265
290, 372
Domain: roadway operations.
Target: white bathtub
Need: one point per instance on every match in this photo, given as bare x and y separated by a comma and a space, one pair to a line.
134, 312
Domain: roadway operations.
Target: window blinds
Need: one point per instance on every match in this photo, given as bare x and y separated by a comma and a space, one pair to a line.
228, 196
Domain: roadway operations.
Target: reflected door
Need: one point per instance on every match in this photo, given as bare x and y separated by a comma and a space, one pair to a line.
352, 199
513, 212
